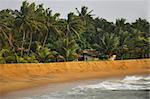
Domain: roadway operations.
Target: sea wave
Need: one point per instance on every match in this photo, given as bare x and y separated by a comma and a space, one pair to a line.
130, 87
128, 83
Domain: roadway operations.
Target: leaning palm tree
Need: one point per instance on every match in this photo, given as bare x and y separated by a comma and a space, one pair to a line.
4, 30
6, 23
51, 24
22, 22
27, 23
73, 26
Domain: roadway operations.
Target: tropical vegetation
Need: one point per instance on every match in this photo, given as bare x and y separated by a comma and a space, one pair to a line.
34, 34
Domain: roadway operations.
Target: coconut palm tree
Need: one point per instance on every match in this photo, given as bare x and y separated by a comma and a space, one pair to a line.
22, 22
67, 49
6, 23
66, 45
73, 26
26, 21
85, 15
107, 44
51, 24
141, 25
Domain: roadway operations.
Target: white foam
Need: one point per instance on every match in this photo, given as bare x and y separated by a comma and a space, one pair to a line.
132, 78
147, 78
111, 86
26, 98
128, 83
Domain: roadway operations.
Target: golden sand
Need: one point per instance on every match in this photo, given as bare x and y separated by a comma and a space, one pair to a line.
20, 76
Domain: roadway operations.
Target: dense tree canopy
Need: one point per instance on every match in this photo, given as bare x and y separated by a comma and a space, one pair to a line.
34, 34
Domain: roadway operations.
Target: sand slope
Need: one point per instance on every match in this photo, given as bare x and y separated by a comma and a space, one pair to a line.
18, 76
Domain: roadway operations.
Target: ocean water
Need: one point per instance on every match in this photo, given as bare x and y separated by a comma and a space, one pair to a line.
129, 87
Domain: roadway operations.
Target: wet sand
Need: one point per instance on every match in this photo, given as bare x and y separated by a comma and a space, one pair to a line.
15, 77
65, 87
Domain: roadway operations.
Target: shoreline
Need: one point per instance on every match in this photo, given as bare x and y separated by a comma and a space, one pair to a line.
20, 78
58, 87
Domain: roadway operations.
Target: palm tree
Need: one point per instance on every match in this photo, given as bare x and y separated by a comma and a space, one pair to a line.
22, 22
4, 30
51, 24
102, 25
67, 49
141, 25
27, 23
66, 45
140, 44
124, 44
84, 14
107, 44
120, 25
61, 39
73, 26
6, 23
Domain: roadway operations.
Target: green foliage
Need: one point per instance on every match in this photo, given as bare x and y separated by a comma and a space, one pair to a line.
108, 43
34, 34
2, 58
30, 58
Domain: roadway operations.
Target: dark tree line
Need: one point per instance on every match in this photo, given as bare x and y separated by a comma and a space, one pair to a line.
34, 34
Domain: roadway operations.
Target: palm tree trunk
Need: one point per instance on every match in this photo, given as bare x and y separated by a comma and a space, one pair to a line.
23, 40
29, 47
10, 40
45, 39
67, 58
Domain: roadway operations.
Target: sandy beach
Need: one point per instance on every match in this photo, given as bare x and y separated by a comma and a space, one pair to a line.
15, 77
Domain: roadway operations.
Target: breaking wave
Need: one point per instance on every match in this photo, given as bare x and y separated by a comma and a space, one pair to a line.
130, 87
128, 83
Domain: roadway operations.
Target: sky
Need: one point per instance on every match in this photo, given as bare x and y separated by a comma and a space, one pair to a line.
108, 9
